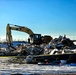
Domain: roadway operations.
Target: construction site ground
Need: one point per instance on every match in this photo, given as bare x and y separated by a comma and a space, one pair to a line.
7, 68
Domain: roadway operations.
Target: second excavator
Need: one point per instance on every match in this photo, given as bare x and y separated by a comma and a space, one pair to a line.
33, 38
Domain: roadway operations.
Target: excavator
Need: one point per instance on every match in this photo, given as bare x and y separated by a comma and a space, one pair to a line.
33, 38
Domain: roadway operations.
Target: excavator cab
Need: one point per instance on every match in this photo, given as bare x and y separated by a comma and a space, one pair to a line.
36, 39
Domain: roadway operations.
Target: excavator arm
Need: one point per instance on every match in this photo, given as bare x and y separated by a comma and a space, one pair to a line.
35, 38
8, 35
17, 28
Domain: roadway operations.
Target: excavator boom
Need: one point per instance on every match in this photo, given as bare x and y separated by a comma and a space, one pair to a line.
35, 38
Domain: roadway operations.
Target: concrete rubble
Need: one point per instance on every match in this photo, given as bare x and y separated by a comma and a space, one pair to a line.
57, 45
60, 45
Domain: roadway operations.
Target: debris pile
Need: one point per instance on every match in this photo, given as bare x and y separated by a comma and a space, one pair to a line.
62, 42
60, 45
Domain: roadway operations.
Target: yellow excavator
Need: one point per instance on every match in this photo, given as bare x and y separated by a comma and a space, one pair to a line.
34, 38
